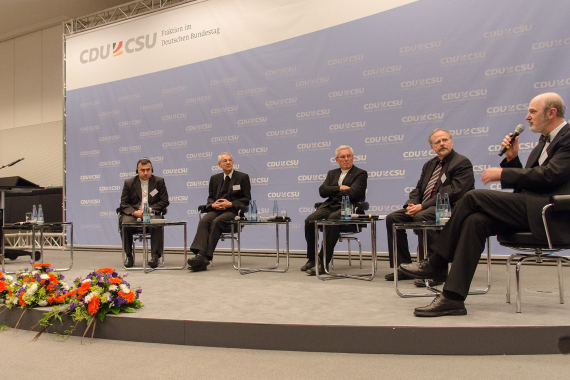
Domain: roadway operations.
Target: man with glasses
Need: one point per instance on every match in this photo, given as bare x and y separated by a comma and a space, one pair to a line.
449, 172
346, 180
482, 213
229, 191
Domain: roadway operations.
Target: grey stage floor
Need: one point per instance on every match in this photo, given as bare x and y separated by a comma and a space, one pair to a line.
221, 294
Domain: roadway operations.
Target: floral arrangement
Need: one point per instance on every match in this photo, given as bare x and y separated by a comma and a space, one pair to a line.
6, 285
41, 286
101, 292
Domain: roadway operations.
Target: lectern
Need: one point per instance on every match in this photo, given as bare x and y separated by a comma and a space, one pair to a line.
12, 185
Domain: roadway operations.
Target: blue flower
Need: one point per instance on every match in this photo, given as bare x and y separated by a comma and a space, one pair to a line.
72, 306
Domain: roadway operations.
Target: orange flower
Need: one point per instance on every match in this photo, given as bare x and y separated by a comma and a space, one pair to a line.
51, 299
42, 265
84, 288
128, 296
105, 270
21, 299
3, 286
114, 280
52, 282
93, 305
64, 296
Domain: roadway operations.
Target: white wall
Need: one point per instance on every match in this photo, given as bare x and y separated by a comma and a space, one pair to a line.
31, 106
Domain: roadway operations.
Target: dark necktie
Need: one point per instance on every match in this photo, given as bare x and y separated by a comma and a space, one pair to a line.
225, 188
430, 188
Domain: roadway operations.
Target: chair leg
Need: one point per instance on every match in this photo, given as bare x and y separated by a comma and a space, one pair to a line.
349, 253
359, 252
560, 284
509, 277
518, 270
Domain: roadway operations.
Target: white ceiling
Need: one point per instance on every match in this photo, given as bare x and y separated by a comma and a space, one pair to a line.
19, 17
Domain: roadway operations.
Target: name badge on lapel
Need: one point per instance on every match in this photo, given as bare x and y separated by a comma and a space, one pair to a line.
153, 193
236, 187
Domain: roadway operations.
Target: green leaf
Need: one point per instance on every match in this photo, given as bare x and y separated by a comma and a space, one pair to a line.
130, 310
116, 310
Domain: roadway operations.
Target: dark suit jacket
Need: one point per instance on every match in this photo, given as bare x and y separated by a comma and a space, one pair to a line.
540, 182
356, 178
459, 179
131, 197
238, 196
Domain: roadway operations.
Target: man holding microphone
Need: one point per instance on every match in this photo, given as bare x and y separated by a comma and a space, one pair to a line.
483, 213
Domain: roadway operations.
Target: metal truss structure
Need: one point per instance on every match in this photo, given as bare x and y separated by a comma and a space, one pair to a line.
120, 13
23, 240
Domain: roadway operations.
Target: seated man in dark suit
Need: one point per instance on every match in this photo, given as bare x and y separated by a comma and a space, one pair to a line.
144, 188
483, 213
229, 191
346, 180
450, 173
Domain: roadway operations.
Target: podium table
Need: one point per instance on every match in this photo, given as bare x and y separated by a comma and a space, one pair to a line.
237, 226
13, 184
34, 228
145, 227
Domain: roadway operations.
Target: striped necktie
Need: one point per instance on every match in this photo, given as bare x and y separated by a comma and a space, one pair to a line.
432, 181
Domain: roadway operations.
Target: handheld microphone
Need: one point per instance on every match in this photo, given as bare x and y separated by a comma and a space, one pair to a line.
518, 130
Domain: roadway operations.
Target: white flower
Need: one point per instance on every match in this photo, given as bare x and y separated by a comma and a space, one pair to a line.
34, 272
44, 276
113, 288
32, 289
9, 278
104, 296
86, 280
64, 285
126, 291
42, 303
123, 287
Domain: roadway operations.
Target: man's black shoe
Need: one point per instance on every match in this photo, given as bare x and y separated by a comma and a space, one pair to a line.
153, 263
422, 283
313, 271
308, 265
441, 306
424, 270
401, 276
129, 262
197, 262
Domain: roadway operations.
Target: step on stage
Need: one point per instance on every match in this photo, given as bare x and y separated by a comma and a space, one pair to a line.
292, 311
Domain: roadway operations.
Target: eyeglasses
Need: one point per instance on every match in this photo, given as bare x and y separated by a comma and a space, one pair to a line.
345, 157
224, 161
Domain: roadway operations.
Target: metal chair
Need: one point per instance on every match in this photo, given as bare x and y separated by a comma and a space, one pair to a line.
535, 249
347, 232
137, 235
226, 234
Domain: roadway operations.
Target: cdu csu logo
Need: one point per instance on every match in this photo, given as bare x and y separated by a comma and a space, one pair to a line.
132, 45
